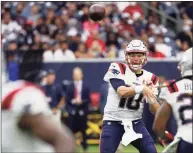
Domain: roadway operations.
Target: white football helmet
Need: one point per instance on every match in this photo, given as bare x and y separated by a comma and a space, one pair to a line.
136, 46
185, 64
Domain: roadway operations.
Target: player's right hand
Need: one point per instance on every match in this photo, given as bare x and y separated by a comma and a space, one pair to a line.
162, 142
148, 93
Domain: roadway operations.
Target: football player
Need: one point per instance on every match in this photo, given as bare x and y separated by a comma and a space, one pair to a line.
130, 87
179, 101
27, 121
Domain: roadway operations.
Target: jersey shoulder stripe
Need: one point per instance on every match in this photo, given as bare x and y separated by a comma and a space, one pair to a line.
7, 101
122, 67
6, 104
172, 86
154, 79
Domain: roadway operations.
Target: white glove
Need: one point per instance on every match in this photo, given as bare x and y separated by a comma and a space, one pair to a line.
172, 147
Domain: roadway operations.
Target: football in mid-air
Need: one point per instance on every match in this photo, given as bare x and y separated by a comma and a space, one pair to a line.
96, 12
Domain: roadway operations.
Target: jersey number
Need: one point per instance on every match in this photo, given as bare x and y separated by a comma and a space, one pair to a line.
185, 111
131, 102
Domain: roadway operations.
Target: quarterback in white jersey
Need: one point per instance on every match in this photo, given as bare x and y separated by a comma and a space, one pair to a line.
130, 87
178, 99
118, 108
27, 124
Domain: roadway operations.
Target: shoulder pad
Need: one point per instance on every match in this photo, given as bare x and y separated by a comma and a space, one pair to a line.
122, 67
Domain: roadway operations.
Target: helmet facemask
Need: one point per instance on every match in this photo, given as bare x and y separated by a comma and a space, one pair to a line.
136, 54
133, 63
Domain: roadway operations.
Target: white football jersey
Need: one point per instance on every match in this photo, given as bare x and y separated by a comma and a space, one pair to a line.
179, 96
131, 108
18, 98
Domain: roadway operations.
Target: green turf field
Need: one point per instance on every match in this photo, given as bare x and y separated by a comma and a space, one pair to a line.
128, 149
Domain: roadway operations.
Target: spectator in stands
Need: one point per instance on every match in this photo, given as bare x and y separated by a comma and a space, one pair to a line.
95, 50
121, 52
133, 8
10, 28
112, 38
89, 26
125, 27
55, 21
48, 55
184, 46
21, 20
112, 52
162, 47
12, 46
63, 53
77, 104
54, 93
185, 35
26, 39
74, 39
153, 53
82, 51
34, 14
37, 44
139, 23
95, 38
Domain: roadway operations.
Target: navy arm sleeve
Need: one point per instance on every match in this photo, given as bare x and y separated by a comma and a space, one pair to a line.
116, 83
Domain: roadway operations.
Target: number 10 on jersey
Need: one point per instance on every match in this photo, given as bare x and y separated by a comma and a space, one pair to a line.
131, 102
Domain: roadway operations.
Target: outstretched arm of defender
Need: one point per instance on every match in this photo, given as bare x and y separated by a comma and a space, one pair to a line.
46, 129
161, 119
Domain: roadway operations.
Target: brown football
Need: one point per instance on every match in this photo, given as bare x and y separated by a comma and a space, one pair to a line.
96, 12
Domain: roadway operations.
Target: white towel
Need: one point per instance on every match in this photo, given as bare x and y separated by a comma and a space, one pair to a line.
172, 147
129, 135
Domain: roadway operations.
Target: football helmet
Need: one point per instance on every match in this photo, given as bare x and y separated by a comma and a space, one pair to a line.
185, 64
136, 46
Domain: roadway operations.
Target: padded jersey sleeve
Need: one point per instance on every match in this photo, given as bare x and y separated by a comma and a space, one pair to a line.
30, 100
163, 93
167, 91
115, 71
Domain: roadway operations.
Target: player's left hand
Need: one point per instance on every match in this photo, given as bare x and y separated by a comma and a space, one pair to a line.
168, 137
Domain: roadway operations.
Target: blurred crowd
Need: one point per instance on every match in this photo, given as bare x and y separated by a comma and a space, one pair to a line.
64, 31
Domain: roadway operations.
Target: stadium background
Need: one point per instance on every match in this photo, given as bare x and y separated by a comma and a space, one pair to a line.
32, 33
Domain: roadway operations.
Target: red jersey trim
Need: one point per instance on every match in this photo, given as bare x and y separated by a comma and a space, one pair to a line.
154, 79
122, 68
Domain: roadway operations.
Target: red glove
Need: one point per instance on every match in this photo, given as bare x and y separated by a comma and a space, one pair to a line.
162, 142
168, 137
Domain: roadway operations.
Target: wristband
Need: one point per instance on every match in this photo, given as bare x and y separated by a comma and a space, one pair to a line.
138, 89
